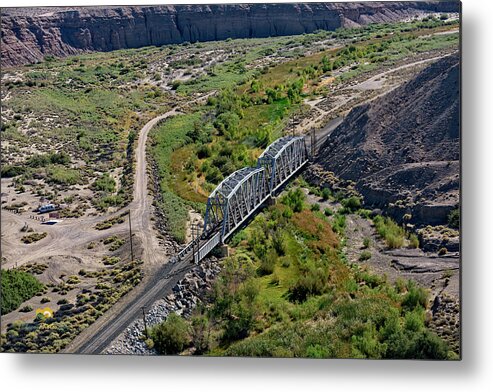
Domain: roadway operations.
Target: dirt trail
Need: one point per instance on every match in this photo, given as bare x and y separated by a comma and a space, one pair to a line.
140, 207
356, 93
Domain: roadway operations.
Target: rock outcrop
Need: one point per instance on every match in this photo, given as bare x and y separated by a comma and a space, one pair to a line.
402, 149
30, 34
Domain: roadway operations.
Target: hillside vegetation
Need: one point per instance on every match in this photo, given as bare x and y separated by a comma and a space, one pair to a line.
288, 291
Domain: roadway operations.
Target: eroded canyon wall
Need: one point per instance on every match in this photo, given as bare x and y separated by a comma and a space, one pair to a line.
30, 34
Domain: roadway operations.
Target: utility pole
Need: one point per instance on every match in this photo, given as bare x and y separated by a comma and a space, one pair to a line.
131, 240
145, 322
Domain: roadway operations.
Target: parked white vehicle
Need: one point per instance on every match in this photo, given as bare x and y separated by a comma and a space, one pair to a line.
46, 208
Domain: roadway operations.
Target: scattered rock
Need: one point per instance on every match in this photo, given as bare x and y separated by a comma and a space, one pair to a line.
185, 296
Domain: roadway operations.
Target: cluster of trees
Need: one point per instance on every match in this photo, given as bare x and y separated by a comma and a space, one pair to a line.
17, 287
214, 137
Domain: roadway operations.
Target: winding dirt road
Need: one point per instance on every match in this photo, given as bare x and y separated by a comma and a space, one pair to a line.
160, 277
94, 338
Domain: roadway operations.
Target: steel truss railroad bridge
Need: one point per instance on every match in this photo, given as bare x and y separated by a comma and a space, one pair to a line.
243, 193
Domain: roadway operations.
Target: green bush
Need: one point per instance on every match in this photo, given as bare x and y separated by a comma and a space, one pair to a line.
34, 237
339, 224
454, 219
170, 337
352, 204
416, 296
326, 193
311, 280
279, 243
267, 265
365, 255
105, 183
294, 199
391, 232
61, 175
42, 160
12, 171
17, 287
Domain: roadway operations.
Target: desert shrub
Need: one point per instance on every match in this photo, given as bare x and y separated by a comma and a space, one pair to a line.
117, 244
339, 224
17, 287
74, 279
442, 251
238, 327
171, 336
413, 241
294, 199
366, 242
204, 151
365, 255
279, 243
371, 280
315, 207
407, 344
328, 212
105, 183
352, 204
61, 175
34, 237
267, 265
42, 160
12, 171
26, 309
110, 260
326, 193
200, 334
311, 280
391, 232
106, 224
415, 296
364, 213
394, 241
454, 219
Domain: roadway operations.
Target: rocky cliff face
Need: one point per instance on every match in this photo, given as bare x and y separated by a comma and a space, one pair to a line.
402, 149
29, 34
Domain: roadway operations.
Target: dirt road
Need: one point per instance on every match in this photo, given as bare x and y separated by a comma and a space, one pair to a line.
160, 276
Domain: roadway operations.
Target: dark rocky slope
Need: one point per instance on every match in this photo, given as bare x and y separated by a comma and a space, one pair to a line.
402, 149
29, 34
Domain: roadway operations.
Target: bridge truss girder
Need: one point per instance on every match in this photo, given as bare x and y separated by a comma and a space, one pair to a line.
234, 200
282, 159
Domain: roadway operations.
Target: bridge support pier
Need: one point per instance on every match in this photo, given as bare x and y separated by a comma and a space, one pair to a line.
225, 251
